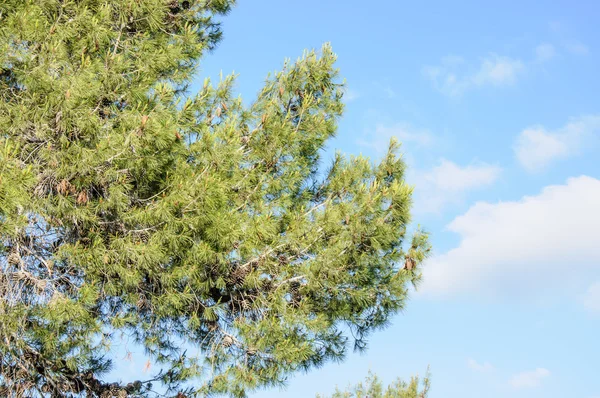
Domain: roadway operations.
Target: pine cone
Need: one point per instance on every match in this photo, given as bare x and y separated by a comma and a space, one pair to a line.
245, 304
227, 341
82, 198
294, 287
238, 276
251, 351
213, 326
174, 7
296, 296
14, 258
63, 187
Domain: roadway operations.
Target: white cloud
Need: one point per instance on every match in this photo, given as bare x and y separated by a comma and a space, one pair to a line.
537, 147
479, 367
379, 138
350, 95
448, 182
453, 60
571, 45
545, 52
390, 92
529, 379
542, 246
385, 88
591, 300
493, 70
497, 70
576, 47
449, 176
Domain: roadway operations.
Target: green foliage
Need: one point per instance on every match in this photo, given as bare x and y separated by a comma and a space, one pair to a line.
372, 387
128, 206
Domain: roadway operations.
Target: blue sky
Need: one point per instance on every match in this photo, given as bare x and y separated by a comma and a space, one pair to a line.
498, 110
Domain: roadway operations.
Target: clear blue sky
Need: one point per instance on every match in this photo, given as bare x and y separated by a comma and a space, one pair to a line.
498, 108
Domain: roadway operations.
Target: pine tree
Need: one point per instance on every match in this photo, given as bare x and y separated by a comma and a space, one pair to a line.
373, 388
129, 206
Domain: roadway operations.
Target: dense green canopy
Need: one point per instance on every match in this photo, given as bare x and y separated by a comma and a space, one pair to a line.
184, 221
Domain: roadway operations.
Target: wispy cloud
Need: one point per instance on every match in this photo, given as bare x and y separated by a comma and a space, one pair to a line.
385, 88
390, 92
545, 52
591, 299
522, 248
379, 137
450, 177
497, 71
350, 95
454, 76
448, 182
479, 367
537, 147
569, 44
576, 47
529, 379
